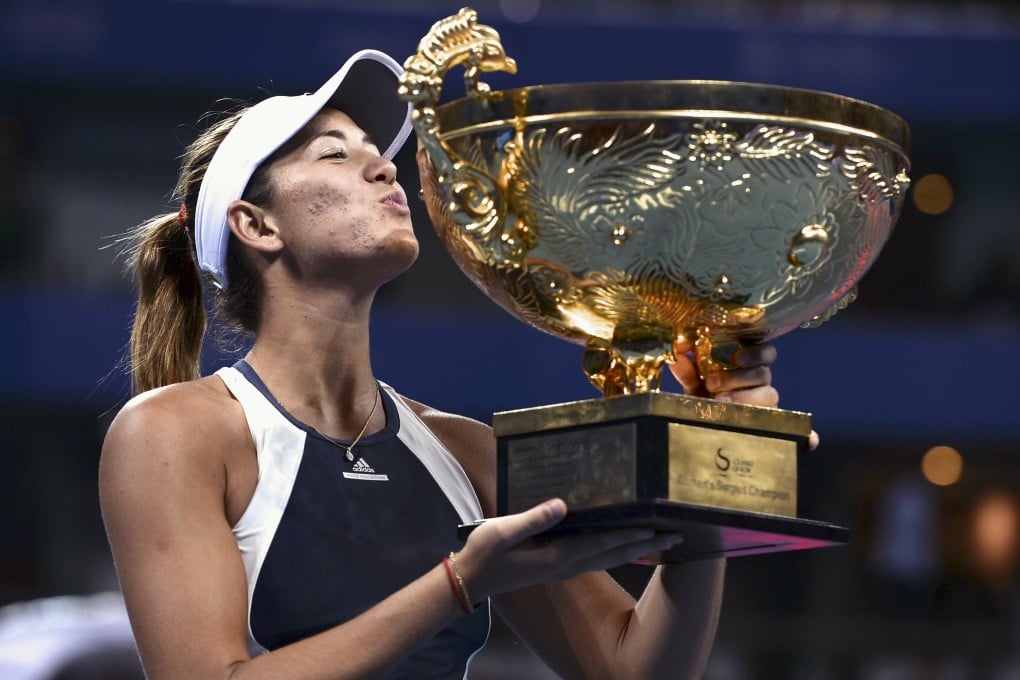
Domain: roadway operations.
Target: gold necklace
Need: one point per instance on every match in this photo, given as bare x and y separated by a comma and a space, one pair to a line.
350, 447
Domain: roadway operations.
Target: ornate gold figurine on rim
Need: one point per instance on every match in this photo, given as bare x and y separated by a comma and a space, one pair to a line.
642, 219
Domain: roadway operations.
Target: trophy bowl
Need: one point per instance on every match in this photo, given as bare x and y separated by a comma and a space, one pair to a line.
641, 220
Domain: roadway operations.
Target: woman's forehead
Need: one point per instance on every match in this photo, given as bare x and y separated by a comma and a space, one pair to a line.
330, 119
328, 123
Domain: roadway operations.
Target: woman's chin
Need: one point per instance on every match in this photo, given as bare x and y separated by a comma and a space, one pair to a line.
401, 254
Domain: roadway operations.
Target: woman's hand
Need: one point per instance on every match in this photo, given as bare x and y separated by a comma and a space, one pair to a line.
748, 381
499, 556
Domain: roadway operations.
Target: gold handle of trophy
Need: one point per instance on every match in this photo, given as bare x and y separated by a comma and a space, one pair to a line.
451, 185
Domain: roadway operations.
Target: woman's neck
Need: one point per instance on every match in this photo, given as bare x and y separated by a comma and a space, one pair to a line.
316, 362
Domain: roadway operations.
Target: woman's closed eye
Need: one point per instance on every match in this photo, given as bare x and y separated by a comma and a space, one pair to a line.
336, 153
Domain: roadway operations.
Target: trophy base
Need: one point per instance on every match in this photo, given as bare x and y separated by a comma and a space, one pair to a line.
709, 533
723, 474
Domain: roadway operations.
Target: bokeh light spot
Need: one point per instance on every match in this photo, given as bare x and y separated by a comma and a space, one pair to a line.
942, 465
994, 533
933, 194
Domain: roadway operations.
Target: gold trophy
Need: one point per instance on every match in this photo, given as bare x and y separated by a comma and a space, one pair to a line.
643, 219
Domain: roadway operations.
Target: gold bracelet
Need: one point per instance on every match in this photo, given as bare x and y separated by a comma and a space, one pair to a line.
460, 581
454, 587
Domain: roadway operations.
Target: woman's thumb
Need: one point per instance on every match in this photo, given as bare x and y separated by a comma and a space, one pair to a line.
535, 520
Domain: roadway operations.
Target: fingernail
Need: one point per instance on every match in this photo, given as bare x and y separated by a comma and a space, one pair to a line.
713, 382
554, 509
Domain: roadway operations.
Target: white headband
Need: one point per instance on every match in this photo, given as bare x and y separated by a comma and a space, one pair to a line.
365, 88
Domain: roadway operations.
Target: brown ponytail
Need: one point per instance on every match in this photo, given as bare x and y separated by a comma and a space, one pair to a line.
170, 320
170, 317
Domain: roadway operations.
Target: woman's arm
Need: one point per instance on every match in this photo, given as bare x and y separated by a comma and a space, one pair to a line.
168, 478
589, 627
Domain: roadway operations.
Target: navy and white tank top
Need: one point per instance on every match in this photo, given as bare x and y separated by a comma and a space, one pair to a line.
324, 539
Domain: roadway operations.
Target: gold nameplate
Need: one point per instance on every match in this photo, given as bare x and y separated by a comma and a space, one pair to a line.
734, 470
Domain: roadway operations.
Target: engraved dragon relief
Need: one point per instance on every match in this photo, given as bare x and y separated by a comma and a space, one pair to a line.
812, 202
677, 218
589, 208
489, 253
878, 183
475, 202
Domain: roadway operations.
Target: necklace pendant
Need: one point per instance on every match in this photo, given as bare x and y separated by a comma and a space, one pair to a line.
349, 456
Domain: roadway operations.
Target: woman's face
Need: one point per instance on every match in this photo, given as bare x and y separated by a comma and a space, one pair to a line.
338, 206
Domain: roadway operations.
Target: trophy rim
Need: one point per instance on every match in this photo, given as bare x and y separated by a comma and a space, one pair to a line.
674, 99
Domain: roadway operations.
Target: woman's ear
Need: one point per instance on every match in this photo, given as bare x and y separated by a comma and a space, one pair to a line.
249, 225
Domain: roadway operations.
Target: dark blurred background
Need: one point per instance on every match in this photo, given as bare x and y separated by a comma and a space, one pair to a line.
914, 388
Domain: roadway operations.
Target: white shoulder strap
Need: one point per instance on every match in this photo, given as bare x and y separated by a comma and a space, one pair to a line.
438, 460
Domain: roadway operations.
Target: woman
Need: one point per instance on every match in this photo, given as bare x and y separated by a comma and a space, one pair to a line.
289, 516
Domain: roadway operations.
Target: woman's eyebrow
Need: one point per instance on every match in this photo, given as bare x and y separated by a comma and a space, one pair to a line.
339, 134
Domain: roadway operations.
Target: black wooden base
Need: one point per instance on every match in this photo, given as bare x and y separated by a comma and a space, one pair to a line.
708, 532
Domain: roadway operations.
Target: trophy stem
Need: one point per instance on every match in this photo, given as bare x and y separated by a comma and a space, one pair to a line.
631, 363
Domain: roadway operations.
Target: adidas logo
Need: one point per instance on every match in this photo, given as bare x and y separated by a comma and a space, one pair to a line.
362, 466
364, 472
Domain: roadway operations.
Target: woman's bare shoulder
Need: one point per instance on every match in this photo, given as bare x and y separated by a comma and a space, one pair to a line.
451, 425
188, 402
177, 420
472, 444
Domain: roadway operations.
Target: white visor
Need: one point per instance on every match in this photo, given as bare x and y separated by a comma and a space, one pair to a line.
365, 88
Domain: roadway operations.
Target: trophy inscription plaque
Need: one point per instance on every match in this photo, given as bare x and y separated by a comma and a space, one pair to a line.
641, 220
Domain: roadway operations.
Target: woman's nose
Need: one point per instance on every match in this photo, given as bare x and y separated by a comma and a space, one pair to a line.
381, 170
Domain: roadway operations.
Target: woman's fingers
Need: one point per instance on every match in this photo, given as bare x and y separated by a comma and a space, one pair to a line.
760, 354
764, 395
604, 550
738, 379
813, 440
747, 381
499, 555
686, 373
